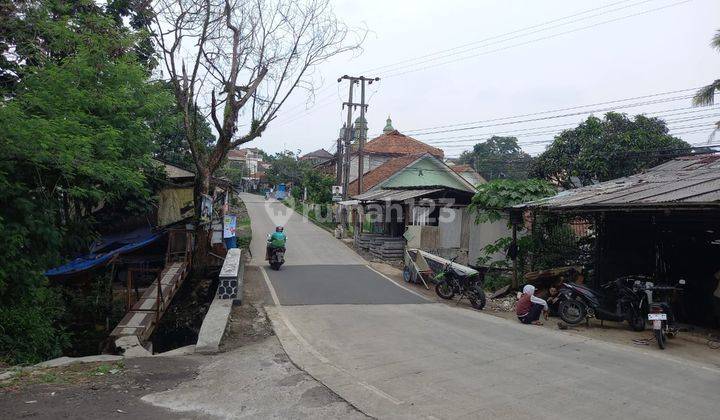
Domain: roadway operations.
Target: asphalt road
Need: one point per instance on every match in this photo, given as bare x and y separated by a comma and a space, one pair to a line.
318, 268
392, 358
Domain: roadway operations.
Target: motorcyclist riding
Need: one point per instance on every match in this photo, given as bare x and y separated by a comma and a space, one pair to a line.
275, 241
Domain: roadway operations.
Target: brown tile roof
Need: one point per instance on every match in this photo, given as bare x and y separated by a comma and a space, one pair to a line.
381, 173
396, 143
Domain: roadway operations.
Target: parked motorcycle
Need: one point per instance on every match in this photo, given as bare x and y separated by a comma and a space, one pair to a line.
449, 282
620, 300
662, 315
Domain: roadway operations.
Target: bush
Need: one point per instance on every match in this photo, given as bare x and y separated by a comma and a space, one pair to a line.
27, 333
495, 280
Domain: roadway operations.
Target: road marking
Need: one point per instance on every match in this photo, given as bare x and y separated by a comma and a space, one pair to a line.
312, 349
287, 322
398, 285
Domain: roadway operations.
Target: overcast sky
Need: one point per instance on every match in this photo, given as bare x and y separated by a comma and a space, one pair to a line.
525, 72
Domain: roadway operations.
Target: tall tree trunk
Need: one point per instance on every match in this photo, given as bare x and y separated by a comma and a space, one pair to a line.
203, 230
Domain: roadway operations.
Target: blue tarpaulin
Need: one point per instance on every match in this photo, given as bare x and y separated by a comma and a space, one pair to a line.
132, 242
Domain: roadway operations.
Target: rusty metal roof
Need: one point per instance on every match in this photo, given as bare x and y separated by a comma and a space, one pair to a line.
684, 182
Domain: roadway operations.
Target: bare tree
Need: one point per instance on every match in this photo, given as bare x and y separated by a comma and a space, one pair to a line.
236, 62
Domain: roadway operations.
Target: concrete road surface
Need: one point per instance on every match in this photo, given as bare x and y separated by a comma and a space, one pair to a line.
391, 356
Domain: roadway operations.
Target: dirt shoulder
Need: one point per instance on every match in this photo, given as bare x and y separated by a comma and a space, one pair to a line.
252, 376
688, 345
248, 322
96, 390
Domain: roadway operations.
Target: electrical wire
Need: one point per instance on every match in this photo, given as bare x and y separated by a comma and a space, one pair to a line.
318, 106
532, 131
416, 69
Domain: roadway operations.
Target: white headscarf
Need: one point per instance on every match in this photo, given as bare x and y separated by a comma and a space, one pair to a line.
529, 289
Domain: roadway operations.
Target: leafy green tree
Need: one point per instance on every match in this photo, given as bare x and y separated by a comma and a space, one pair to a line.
706, 95
603, 149
285, 168
546, 245
234, 171
74, 137
498, 157
30, 37
319, 186
493, 197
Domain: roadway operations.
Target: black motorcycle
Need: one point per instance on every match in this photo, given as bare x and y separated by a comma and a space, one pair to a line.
661, 314
276, 258
450, 281
621, 300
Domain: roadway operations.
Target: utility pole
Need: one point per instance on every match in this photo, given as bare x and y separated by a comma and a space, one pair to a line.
349, 130
339, 158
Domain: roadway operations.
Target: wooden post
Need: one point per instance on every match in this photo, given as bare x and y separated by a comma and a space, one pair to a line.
515, 284
159, 297
129, 288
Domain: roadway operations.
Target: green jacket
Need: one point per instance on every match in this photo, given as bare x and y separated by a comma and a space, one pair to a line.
277, 240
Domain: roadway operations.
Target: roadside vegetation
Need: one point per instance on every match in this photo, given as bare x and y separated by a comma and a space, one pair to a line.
64, 375
78, 133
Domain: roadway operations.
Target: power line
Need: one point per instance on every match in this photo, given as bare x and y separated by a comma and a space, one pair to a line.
532, 114
445, 53
387, 76
316, 107
532, 131
547, 141
637, 104
658, 114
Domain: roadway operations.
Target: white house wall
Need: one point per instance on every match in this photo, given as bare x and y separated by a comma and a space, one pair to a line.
369, 163
450, 226
485, 234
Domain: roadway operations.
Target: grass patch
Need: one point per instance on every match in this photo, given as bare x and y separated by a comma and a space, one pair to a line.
71, 374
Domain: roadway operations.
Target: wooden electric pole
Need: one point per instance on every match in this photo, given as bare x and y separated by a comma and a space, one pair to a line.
349, 131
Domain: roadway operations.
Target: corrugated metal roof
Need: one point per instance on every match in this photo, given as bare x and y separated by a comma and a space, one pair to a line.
684, 181
393, 195
172, 171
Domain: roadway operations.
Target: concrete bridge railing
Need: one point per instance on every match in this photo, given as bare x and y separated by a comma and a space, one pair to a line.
229, 293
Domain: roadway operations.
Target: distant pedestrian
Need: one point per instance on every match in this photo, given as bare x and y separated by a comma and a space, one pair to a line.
529, 306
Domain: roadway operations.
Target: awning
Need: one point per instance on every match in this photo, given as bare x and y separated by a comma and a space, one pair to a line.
394, 195
93, 260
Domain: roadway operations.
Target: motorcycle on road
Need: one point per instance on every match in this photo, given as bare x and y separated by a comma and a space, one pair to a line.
275, 256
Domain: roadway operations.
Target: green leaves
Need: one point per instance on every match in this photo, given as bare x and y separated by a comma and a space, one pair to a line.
604, 149
495, 196
498, 158
75, 136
